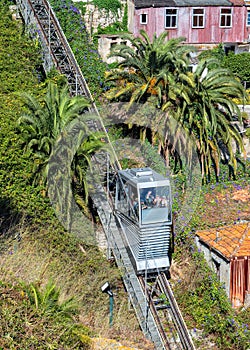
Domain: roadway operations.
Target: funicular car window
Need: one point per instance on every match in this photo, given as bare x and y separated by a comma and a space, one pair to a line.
133, 202
155, 204
127, 200
122, 201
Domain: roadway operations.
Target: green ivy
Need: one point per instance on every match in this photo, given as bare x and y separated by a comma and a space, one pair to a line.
19, 57
217, 52
109, 5
125, 18
239, 64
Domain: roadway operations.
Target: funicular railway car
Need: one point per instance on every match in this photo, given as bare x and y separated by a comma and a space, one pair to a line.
144, 211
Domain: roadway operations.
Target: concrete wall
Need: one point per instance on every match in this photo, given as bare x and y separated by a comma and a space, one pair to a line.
217, 263
131, 16
105, 43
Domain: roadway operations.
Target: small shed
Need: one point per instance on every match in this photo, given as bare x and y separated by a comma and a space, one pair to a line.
227, 250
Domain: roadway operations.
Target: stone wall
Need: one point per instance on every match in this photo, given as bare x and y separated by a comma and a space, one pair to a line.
95, 17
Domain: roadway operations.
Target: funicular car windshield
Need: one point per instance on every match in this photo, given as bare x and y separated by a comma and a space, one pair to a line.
155, 204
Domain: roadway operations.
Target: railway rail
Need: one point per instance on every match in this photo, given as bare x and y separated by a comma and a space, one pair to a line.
166, 312
154, 313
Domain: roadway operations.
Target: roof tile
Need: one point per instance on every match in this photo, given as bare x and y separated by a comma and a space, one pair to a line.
230, 241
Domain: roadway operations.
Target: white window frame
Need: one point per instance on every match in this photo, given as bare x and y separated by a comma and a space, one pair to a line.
171, 16
248, 17
141, 21
226, 15
198, 15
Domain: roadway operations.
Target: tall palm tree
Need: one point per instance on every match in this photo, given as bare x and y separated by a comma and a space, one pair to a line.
147, 68
207, 112
149, 72
44, 120
156, 73
68, 172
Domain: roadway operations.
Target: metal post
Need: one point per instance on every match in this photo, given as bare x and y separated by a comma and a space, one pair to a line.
111, 305
106, 289
145, 292
76, 84
50, 59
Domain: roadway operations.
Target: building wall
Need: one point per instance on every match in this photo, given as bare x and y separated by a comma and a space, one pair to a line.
131, 17
211, 34
218, 264
105, 43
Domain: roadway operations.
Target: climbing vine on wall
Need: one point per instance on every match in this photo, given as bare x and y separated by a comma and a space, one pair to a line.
108, 5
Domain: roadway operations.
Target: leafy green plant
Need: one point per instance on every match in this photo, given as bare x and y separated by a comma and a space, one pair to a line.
217, 52
48, 300
239, 65
25, 326
108, 5
125, 18
114, 28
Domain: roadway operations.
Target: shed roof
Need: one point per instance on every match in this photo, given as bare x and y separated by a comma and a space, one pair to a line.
186, 3
230, 241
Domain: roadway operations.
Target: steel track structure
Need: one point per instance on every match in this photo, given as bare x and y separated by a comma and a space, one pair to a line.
40, 22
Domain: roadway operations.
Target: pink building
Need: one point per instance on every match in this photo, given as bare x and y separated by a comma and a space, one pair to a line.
204, 23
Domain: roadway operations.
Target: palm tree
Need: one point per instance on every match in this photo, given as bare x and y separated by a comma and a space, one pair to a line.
82, 163
207, 112
69, 165
148, 68
149, 73
44, 120
156, 73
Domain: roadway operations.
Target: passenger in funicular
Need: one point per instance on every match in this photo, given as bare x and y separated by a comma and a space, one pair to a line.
149, 199
134, 203
157, 201
160, 202
164, 202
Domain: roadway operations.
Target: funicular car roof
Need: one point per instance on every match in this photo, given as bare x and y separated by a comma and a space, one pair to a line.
141, 175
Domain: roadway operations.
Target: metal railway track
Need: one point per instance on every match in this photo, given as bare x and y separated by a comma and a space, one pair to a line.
40, 20
166, 312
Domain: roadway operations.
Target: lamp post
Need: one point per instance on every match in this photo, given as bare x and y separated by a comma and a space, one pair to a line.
107, 289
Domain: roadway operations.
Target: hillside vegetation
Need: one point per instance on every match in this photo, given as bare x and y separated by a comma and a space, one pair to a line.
50, 281
34, 246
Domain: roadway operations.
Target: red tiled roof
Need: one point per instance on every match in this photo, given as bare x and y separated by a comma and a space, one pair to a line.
230, 241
